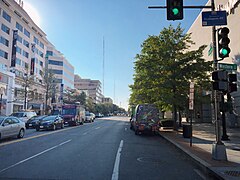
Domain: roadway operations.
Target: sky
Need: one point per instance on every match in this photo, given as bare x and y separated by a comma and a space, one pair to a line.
81, 28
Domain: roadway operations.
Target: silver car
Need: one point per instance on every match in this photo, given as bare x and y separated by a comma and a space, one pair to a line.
11, 126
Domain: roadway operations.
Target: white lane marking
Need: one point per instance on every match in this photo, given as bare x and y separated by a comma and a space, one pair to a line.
125, 129
97, 127
117, 162
200, 174
85, 133
20, 162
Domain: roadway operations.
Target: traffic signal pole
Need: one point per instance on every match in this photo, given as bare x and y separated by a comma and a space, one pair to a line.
218, 148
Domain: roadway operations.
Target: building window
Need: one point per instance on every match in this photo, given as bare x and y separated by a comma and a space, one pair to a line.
18, 50
25, 54
57, 63
19, 39
4, 41
41, 45
26, 43
27, 33
41, 63
49, 53
5, 29
18, 61
6, 16
35, 40
40, 54
19, 27
3, 54
56, 71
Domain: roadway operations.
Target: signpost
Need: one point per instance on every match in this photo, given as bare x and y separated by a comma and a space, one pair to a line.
214, 18
191, 102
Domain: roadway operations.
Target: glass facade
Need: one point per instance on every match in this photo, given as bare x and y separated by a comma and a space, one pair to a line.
3, 54
5, 29
4, 41
27, 33
19, 27
6, 16
57, 63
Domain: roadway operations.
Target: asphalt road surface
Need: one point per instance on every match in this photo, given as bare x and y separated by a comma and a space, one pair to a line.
105, 149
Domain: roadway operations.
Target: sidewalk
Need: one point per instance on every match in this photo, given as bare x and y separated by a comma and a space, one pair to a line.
201, 150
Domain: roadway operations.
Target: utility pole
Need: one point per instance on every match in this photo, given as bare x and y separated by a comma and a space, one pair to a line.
47, 84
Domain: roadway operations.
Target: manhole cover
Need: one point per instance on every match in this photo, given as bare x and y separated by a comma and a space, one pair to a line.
233, 173
149, 160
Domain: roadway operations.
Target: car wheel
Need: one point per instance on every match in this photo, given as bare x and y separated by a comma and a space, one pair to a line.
37, 129
21, 133
54, 127
136, 132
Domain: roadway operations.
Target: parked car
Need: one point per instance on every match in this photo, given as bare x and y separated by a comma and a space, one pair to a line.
99, 115
31, 123
24, 115
145, 119
88, 117
50, 122
93, 116
11, 126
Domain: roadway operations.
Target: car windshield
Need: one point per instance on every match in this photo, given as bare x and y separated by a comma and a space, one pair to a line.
18, 114
1, 119
49, 118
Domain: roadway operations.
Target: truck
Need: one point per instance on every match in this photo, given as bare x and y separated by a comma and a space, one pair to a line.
72, 114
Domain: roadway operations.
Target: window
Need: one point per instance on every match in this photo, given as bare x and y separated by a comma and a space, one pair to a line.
41, 63
26, 43
18, 61
3, 54
5, 29
18, 50
41, 53
19, 27
35, 40
57, 63
25, 54
27, 33
41, 45
19, 39
49, 53
56, 71
4, 41
6, 16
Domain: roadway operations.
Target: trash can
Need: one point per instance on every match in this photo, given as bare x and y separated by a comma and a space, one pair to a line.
187, 130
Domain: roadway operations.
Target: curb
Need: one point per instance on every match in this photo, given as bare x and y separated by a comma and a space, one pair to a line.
206, 167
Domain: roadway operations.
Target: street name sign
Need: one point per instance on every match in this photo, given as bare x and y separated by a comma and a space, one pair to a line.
226, 66
214, 18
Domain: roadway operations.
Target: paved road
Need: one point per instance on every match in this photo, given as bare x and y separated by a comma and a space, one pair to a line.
105, 149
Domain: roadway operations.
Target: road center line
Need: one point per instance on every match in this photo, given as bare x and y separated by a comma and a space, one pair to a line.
117, 162
20, 162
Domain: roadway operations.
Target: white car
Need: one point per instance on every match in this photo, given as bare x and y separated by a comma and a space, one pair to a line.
24, 115
11, 126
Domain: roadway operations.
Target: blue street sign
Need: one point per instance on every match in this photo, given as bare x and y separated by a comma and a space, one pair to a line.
214, 18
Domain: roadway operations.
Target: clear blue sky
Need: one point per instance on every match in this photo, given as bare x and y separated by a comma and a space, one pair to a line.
77, 28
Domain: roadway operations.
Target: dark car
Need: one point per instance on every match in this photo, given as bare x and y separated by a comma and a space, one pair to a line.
31, 123
50, 123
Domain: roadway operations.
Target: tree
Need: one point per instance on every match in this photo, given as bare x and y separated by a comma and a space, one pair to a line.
164, 69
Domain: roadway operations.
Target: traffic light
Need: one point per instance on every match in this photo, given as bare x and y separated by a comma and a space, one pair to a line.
220, 80
223, 41
232, 82
174, 9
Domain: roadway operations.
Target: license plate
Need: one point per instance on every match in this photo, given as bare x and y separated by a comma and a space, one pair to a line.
41, 126
30, 124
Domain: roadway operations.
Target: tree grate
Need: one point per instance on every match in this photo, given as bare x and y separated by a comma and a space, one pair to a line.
233, 173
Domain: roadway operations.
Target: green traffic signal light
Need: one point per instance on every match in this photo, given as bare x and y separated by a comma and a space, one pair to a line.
175, 11
224, 52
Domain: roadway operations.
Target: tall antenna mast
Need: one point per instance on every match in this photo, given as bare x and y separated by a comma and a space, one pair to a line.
103, 65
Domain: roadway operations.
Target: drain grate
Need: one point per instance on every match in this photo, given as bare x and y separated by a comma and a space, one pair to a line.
233, 173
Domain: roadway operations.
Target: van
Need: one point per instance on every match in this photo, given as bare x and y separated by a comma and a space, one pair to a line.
24, 115
145, 119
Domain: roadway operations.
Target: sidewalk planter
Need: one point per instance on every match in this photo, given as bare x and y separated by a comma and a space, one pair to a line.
187, 130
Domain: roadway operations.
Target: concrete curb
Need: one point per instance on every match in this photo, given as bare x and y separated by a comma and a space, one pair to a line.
206, 167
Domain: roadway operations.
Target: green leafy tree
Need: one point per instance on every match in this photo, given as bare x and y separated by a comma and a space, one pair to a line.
164, 69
